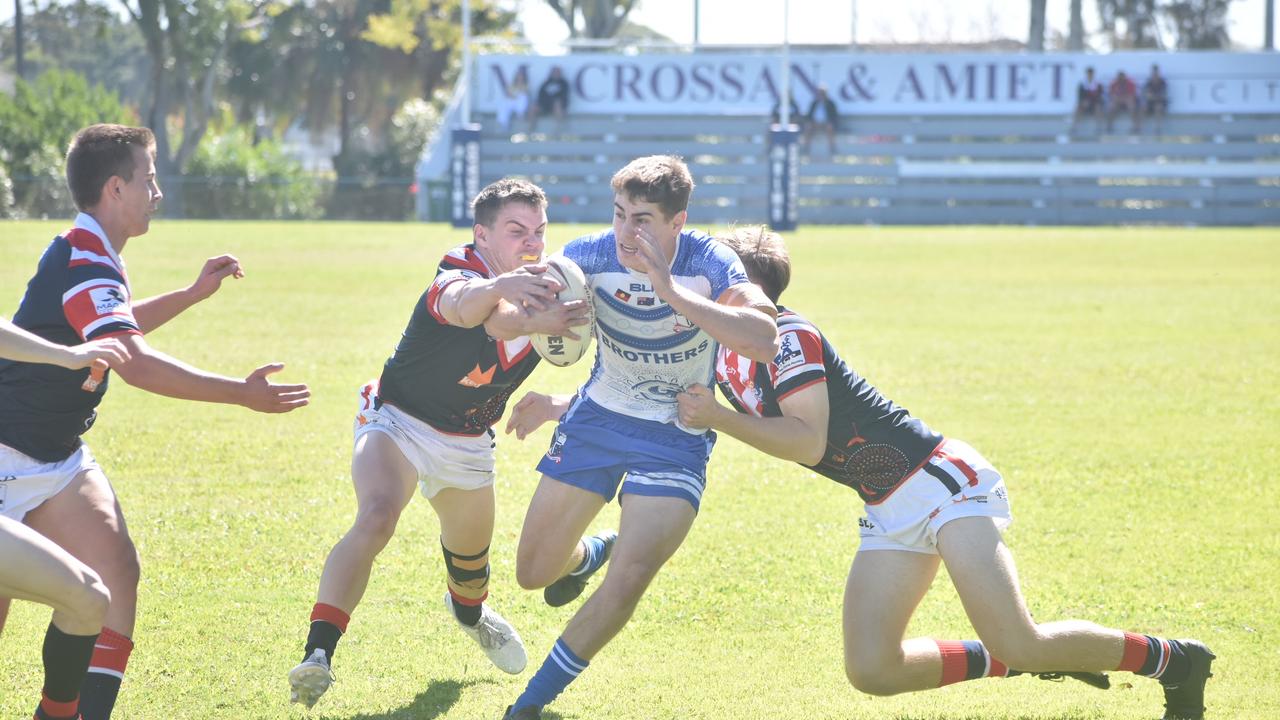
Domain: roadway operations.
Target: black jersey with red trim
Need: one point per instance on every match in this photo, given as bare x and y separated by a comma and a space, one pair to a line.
80, 292
873, 444
457, 380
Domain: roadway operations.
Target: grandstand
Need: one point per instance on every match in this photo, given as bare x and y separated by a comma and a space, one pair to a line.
1201, 170
980, 138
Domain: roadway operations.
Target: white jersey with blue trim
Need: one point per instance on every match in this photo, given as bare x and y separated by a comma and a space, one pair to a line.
646, 352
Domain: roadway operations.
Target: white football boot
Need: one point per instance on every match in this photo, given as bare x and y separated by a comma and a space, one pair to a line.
310, 679
495, 636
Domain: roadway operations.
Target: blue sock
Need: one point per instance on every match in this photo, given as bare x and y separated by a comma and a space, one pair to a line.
592, 558
560, 668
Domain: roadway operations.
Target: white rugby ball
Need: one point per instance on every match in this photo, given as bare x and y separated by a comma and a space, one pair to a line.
562, 350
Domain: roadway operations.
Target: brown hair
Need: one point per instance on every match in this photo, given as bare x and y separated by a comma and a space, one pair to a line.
764, 254
100, 152
495, 195
660, 179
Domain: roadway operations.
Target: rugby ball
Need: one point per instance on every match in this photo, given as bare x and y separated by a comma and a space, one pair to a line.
561, 350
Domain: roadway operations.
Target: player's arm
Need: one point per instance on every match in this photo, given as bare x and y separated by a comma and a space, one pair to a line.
799, 435
154, 371
18, 344
533, 410
153, 312
507, 322
468, 303
741, 319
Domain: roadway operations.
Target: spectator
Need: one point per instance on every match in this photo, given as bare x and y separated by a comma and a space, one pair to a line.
822, 116
516, 102
1155, 97
1123, 98
1089, 99
553, 98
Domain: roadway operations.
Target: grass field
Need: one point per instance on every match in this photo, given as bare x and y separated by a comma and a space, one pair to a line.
1125, 381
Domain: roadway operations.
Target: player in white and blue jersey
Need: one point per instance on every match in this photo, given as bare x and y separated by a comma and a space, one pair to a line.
665, 299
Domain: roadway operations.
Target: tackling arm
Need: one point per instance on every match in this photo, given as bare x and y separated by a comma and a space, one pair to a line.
799, 435
741, 319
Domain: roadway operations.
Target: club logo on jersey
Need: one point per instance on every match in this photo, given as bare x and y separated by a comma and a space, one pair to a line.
657, 390
790, 355
622, 295
107, 299
478, 378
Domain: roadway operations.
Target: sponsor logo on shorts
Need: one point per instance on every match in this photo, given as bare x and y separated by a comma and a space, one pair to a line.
557, 447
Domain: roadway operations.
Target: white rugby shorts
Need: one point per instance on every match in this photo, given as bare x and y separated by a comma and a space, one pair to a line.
955, 482
441, 459
25, 482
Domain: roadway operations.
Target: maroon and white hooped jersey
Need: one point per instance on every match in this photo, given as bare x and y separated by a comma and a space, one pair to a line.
455, 379
873, 445
80, 292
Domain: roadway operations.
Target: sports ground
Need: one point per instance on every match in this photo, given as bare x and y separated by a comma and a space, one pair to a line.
1125, 381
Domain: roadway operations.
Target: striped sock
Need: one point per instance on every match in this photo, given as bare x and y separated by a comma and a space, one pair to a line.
592, 556
54, 710
967, 660
328, 623
1154, 657
560, 668
106, 672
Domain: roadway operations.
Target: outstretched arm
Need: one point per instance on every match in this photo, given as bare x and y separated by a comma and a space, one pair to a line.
155, 311
507, 322
799, 435
154, 371
469, 303
18, 344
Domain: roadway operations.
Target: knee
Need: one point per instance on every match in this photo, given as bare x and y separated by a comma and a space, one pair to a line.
376, 523
627, 581
89, 601
121, 570
1019, 650
872, 678
534, 571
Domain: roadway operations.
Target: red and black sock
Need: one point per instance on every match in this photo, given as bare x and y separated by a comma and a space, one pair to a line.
1154, 657
328, 623
66, 658
106, 672
967, 660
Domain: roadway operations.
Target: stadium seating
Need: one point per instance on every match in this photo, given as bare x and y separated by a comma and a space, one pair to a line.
1201, 169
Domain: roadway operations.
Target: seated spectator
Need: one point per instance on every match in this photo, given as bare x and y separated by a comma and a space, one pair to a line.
1123, 97
795, 118
553, 98
822, 116
516, 102
1155, 97
1089, 99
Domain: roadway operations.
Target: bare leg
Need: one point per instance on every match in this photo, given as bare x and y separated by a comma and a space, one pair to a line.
883, 591
558, 515
982, 569
38, 570
651, 530
384, 481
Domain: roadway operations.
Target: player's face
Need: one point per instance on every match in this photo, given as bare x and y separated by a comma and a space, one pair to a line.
515, 239
140, 196
632, 214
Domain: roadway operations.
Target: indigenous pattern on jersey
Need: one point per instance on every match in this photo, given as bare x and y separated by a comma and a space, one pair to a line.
80, 292
646, 352
457, 380
873, 445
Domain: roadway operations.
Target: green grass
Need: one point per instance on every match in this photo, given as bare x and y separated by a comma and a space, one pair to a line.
1125, 381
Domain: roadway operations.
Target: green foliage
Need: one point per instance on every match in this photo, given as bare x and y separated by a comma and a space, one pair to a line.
6, 195
231, 176
36, 124
1124, 381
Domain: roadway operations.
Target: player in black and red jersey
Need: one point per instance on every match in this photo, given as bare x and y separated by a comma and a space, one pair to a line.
81, 292
929, 499
427, 422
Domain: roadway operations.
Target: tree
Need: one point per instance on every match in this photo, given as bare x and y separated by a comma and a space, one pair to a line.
1199, 24
594, 19
1075, 40
1035, 42
1129, 23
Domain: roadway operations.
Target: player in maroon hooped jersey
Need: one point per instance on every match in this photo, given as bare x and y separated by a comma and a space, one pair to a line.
427, 421
81, 292
929, 500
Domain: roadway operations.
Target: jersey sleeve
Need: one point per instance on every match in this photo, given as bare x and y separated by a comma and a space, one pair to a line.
724, 269
443, 279
96, 302
799, 363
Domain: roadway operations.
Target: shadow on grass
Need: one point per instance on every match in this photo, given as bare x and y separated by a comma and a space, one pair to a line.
435, 701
